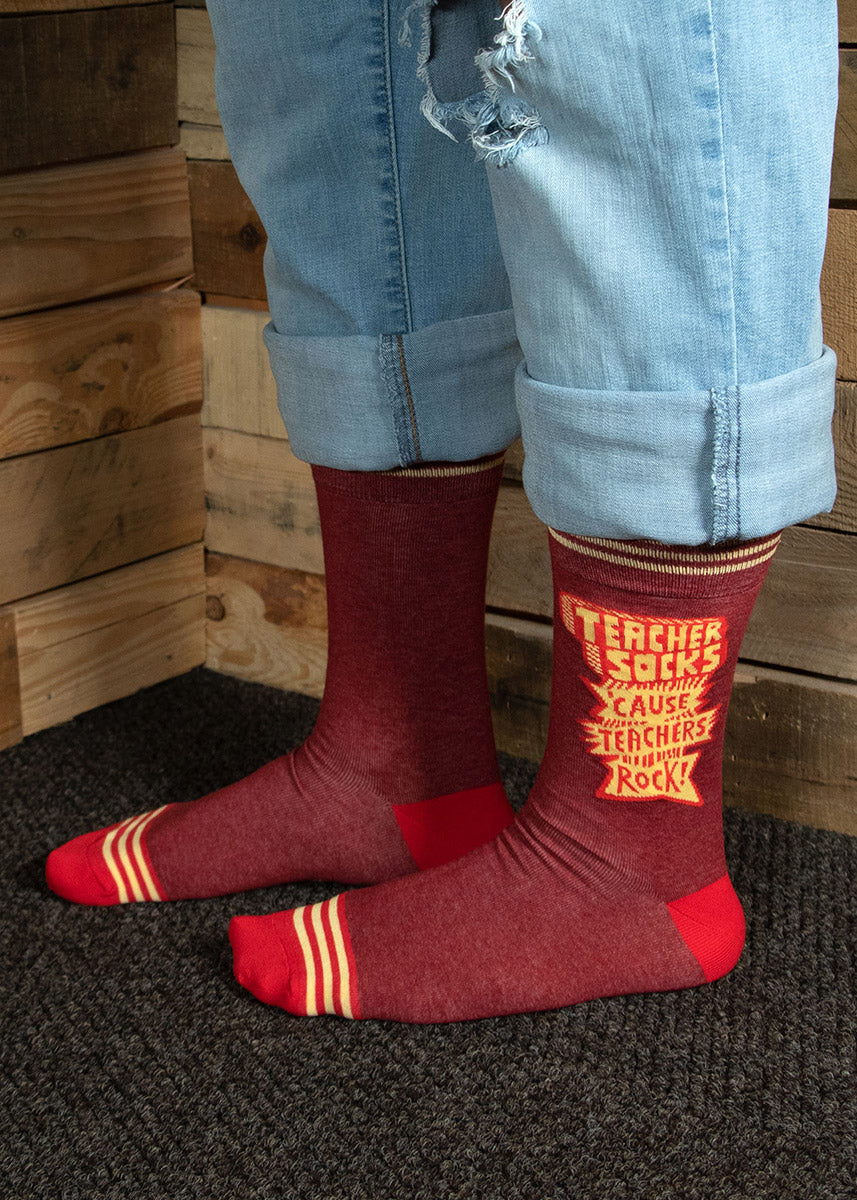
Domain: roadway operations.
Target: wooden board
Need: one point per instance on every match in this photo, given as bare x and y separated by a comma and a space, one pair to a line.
838, 293
195, 58
240, 392
114, 70
133, 628
116, 597
848, 21
10, 690
261, 501
77, 232
228, 237
266, 624
203, 141
99, 368
843, 183
41, 6
90, 507
519, 654
806, 614
790, 748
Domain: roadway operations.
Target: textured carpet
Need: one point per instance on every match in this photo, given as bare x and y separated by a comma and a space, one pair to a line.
134, 1066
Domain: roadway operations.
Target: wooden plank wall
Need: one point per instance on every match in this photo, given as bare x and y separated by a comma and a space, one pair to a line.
101, 559
790, 750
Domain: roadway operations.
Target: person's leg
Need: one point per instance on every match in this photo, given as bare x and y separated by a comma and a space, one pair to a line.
662, 209
393, 348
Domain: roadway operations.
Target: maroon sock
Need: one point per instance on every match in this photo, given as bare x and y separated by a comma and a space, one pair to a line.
400, 771
612, 879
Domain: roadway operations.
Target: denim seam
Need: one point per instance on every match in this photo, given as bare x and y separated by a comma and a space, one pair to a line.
409, 397
721, 134
392, 354
394, 166
725, 404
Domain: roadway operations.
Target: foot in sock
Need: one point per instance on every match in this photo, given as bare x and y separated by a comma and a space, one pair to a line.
612, 879
400, 772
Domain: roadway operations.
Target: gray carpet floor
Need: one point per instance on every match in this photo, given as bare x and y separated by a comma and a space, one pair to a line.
135, 1067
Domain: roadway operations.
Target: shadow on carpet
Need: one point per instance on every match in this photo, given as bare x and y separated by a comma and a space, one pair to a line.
135, 1067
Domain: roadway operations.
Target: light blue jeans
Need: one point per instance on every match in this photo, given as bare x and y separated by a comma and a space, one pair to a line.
597, 222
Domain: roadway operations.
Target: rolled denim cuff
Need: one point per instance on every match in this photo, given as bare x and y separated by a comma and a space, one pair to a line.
681, 467
441, 393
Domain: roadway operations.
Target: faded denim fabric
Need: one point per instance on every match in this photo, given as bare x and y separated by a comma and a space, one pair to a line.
620, 250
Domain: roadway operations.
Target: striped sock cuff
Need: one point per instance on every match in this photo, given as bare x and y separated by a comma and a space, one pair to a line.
668, 570
424, 484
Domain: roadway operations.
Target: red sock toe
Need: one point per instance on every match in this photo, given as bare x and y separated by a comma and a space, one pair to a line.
107, 866
77, 871
301, 960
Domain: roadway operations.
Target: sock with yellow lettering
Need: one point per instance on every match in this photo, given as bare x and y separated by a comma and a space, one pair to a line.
612, 879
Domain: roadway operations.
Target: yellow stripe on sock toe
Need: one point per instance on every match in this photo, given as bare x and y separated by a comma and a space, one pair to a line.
341, 958
107, 853
149, 884
122, 851
309, 960
324, 956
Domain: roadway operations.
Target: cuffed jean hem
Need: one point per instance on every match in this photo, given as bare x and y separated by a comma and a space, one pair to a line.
360, 403
681, 467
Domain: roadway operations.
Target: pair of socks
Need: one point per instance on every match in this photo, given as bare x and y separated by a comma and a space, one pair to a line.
612, 878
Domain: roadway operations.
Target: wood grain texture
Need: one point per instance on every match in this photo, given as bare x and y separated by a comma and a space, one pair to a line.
843, 183
240, 392
838, 293
519, 655
10, 690
92, 642
71, 233
63, 614
261, 501
228, 237
266, 623
87, 508
105, 664
90, 83
806, 615
203, 141
92, 369
41, 6
195, 60
790, 748
220, 301
848, 21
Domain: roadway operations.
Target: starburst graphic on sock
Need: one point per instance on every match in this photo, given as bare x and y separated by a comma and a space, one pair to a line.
653, 676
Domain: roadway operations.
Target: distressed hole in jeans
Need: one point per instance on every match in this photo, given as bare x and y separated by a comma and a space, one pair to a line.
477, 89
